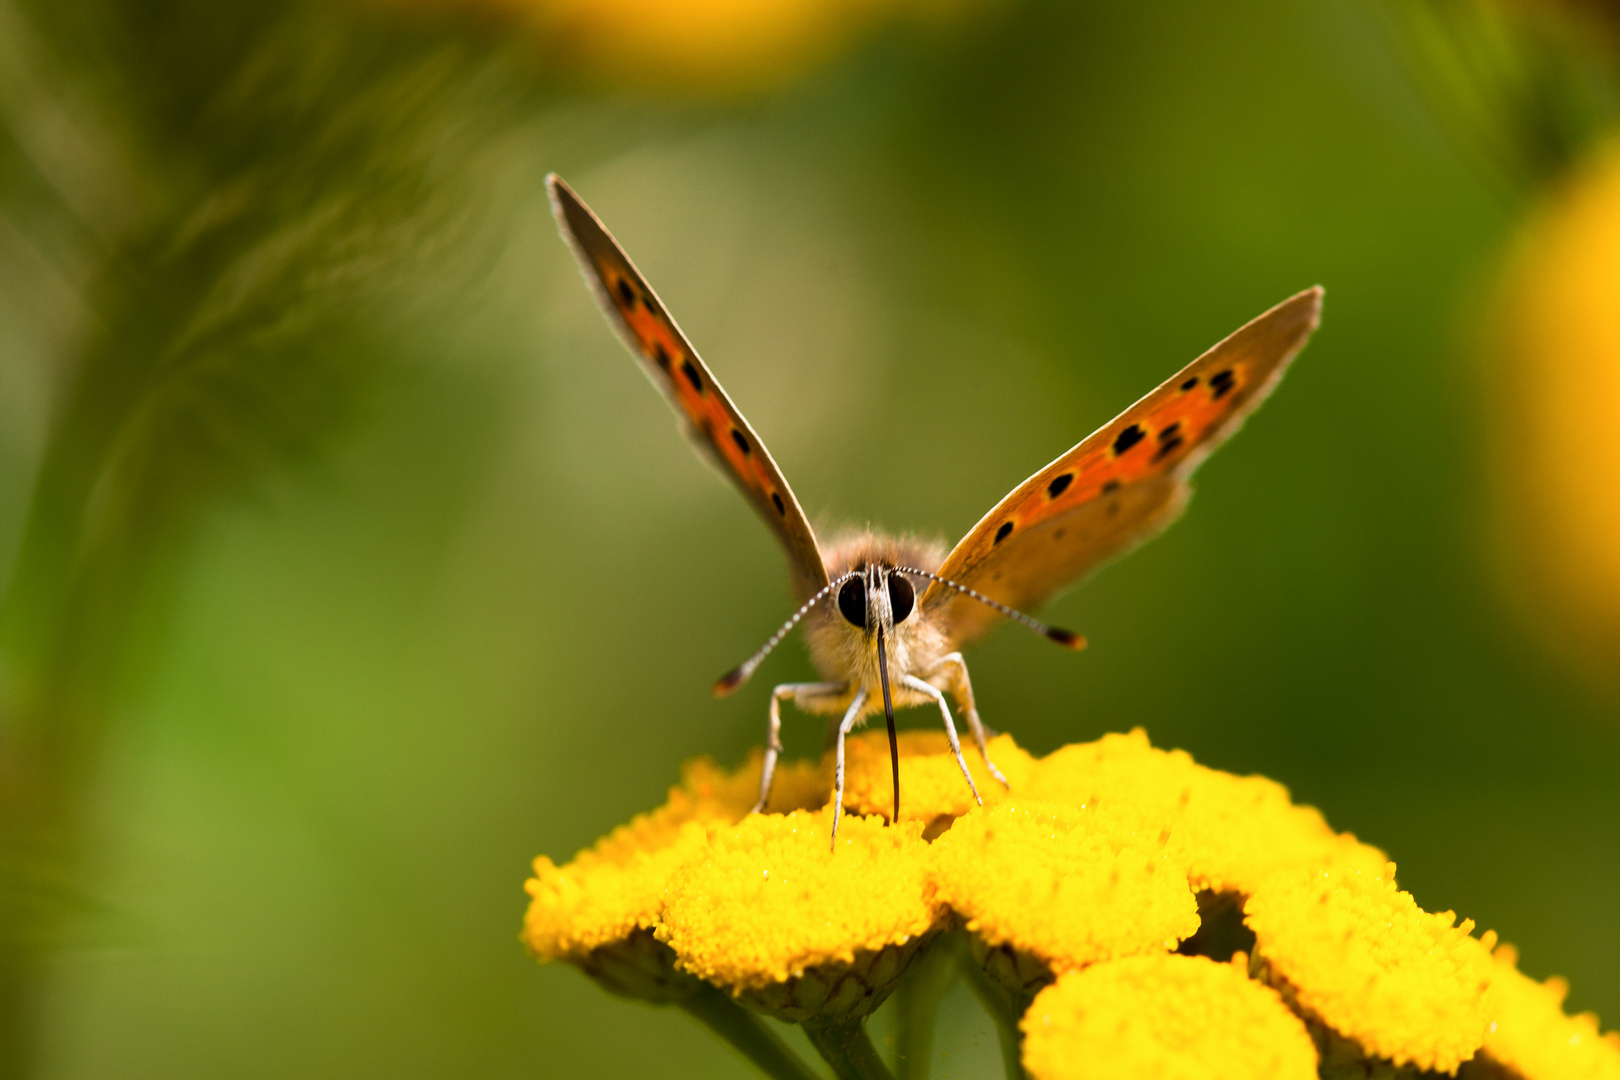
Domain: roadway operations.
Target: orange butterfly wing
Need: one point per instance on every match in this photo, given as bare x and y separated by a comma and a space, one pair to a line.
1124, 483
712, 422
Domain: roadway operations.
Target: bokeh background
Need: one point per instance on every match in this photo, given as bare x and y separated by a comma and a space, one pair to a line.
349, 563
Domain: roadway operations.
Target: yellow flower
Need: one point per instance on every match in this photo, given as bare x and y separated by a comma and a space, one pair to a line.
931, 787
1100, 864
803, 931
1168, 1017
610, 891
1358, 955
1531, 1035
769, 903
1063, 883
1232, 832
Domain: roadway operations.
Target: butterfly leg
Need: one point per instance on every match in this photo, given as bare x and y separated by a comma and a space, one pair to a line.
962, 689
802, 694
850, 717
934, 692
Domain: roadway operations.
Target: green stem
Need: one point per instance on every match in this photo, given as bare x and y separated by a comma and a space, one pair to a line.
916, 1010
1002, 1009
748, 1033
844, 1045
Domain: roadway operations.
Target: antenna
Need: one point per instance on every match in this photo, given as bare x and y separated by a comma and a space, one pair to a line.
740, 674
1067, 638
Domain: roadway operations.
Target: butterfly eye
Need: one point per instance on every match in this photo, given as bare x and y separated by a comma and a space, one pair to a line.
902, 597
852, 602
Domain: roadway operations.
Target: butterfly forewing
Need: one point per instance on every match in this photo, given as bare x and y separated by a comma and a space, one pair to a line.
711, 420
1124, 483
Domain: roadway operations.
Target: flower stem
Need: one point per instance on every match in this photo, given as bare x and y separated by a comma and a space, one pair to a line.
917, 1005
748, 1033
844, 1045
1002, 1009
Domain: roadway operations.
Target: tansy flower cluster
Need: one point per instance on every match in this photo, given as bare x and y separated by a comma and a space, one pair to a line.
1124, 911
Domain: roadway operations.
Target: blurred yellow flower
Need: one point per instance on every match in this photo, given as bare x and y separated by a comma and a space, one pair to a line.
1165, 1016
1104, 862
1531, 1035
1557, 406
709, 45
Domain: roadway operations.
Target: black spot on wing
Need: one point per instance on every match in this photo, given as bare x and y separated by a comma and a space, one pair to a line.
661, 355
1170, 441
1221, 382
741, 440
627, 294
1004, 532
692, 376
776, 500
1110, 487
1128, 438
1059, 485
1190, 383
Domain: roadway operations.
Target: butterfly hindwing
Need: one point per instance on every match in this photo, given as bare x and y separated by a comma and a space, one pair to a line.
712, 422
1124, 483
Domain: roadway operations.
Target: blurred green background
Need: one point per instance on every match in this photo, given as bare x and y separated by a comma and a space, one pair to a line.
351, 563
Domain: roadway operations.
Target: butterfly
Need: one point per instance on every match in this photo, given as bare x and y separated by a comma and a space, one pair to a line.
885, 617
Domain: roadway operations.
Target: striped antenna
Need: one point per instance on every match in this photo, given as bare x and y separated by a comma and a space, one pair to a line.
744, 671
1067, 638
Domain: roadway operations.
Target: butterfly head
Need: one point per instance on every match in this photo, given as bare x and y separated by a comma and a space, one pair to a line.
874, 619
877, 598
846, 621
868, 625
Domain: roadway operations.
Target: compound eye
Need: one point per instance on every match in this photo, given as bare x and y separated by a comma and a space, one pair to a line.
902, 597
852, 602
